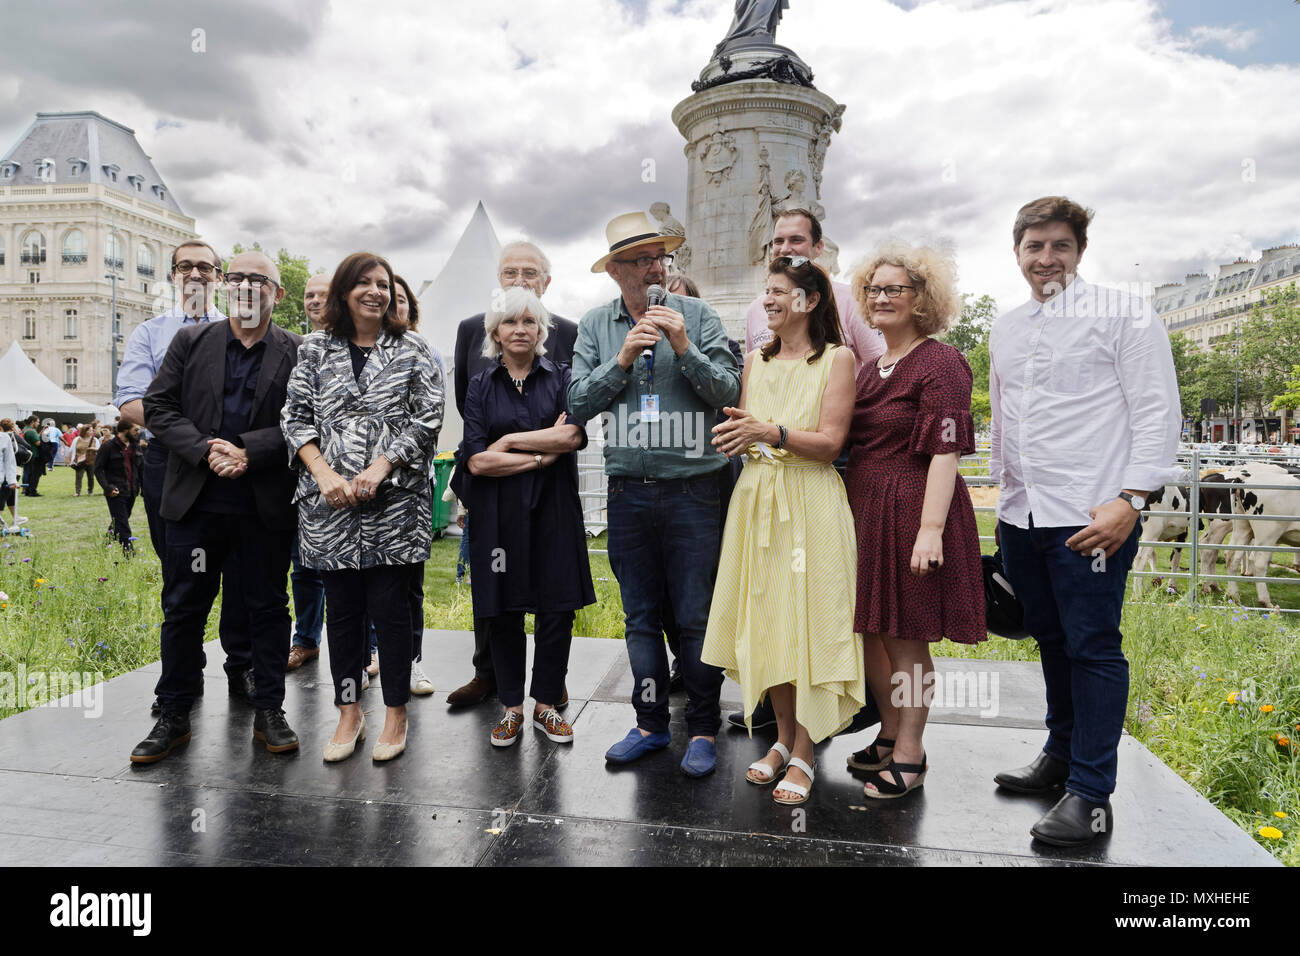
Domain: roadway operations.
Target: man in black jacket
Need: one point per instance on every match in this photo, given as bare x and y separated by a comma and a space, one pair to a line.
216, 405
520, 264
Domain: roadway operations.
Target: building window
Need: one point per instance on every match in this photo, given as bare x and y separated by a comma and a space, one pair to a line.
74, 248
144, 261
33, 249
33, 277
110, 171
7, 170
77, 166
69, 323
113, 252
160, 193
136, 181
29, 324
2, 250
70, 374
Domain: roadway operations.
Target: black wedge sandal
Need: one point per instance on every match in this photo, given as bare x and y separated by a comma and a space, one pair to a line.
890, 789
870, 759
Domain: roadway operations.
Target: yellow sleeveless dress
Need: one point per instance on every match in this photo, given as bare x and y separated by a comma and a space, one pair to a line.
782, 607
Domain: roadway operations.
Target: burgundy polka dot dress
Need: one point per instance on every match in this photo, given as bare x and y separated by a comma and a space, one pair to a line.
921, 409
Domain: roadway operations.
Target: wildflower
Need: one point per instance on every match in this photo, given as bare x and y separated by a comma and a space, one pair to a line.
27, 560
39, 581
3, 596
1283, 740
1279, 814
1267, 708
102, 580
1231, 698
1272, 833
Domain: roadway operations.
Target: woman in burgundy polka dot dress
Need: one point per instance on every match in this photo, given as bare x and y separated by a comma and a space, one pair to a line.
919, 575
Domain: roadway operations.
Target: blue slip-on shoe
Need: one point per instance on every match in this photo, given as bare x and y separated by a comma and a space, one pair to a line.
634, 746
701, 758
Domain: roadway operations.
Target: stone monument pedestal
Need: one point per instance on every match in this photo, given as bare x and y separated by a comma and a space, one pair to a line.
744, 138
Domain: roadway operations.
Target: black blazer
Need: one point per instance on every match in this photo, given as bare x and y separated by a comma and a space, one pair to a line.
110, 467
183, 409
469, 358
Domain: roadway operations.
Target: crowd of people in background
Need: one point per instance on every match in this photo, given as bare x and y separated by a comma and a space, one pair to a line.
811, 542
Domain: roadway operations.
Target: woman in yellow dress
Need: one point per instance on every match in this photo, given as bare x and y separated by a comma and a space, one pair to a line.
781, 621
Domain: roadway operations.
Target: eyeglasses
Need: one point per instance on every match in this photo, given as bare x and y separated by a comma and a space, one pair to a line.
644, 262
254, 278
204, 268
892, 291
512, 274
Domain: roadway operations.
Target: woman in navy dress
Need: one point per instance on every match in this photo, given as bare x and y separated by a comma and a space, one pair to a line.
528, 552
919, 573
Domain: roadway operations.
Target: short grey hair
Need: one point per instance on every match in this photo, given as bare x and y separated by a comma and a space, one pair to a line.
515, 244
515, 301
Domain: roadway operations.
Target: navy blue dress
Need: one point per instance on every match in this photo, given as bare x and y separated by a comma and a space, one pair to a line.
528, 547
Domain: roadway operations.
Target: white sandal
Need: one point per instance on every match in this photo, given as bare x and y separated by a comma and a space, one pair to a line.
767, 774
801, 793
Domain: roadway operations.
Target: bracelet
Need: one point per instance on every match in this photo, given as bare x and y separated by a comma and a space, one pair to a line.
538, 459
784, 435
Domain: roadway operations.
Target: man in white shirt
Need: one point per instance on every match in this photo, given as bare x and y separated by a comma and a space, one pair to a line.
1086, 419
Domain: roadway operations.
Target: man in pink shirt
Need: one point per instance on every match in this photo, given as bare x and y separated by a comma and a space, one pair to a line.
798, 233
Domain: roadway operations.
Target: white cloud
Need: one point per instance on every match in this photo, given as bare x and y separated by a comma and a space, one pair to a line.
381, 125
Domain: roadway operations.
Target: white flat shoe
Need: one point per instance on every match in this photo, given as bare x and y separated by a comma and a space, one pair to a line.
384, 752
421, 686
800, 792
765, 774
336, 752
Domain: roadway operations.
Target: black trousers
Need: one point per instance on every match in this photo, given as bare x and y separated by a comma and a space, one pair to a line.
32, 472
553, 634
119, 516
381, 594
200, 549
233, 628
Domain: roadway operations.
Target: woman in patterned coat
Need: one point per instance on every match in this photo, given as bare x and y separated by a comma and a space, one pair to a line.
361, 422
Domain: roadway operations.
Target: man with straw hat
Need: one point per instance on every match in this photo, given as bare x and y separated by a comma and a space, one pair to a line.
656, 375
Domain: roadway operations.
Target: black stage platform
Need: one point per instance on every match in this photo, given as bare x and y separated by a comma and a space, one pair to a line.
69, 796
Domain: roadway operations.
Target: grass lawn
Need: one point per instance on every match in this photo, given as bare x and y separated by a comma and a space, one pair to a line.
1215, 694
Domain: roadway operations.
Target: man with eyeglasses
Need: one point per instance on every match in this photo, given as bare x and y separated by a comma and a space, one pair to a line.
798, 233
519, 264
196, 275
216, 404
656, 376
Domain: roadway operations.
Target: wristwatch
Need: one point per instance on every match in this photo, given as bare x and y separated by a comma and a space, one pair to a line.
1137, 501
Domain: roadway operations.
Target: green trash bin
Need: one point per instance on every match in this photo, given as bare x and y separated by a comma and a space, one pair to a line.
441, 509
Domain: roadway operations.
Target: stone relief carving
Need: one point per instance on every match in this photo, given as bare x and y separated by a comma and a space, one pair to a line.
821, 143
760, 227
719, 156
670, 226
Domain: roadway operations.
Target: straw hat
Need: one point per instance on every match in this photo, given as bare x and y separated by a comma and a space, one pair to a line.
631, 231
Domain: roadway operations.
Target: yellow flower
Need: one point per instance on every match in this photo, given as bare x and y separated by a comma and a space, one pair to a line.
1279, 814
1272, 833
38, 582
1231, 698
1219, 679
1267, 708
1283, 741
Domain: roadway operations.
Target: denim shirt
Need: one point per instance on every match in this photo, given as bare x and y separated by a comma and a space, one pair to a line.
690, 390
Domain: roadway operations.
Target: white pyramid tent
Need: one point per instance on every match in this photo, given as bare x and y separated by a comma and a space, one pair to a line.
463, 288
24, 390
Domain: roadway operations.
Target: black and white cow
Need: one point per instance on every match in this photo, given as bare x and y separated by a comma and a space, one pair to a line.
1265, 501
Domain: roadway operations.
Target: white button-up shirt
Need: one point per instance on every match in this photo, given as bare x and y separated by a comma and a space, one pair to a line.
1085, 404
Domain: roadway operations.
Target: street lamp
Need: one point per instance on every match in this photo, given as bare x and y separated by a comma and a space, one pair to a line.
115, 333
1236, 383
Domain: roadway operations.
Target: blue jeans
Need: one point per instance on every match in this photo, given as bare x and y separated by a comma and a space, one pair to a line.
664, 538
1073, 604
308, 602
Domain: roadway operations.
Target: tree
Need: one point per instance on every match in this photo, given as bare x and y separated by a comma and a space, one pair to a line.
1189, 361
294, 273
1291, 397
970, 336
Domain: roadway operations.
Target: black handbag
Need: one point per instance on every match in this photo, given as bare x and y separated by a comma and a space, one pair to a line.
1003, 613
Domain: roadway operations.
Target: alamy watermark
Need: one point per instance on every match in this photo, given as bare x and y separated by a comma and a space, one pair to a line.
975, 689
23, 688
626, 428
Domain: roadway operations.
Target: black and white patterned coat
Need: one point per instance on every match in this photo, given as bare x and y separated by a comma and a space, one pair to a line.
394, 409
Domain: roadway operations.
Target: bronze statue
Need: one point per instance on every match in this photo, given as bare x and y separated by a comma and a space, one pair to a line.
754, 18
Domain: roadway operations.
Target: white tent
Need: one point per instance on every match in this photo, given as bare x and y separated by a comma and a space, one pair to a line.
24, 390
463, 288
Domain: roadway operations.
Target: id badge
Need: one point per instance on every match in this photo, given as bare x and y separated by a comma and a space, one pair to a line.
649, 408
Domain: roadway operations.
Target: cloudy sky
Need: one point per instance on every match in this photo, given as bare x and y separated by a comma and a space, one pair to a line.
327, 127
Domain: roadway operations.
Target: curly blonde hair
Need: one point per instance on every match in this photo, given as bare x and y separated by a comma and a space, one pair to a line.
934, 273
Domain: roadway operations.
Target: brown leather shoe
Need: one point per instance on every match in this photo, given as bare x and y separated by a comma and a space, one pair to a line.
301, 655
475, 692
564, 701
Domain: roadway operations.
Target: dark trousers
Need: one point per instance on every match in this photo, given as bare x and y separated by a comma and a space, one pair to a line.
308, 602
233, 628
32, 472
382, 595
89, 471
416, 597
119, 517
726, 483
200, 549
553, 634
1072, 608
482, 660
664, 537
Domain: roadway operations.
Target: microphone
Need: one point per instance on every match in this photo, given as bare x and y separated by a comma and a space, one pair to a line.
653, 296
